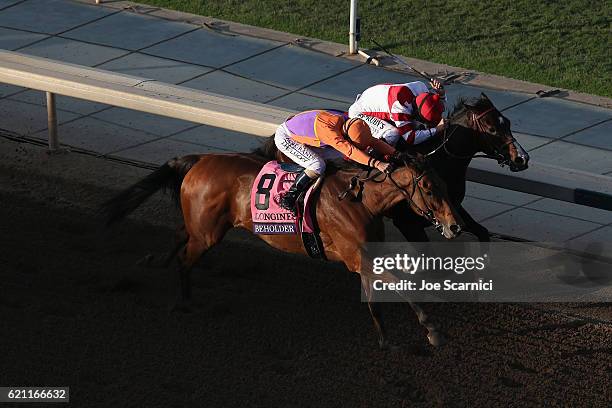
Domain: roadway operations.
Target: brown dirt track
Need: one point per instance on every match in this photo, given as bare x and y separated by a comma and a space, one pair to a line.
267, 329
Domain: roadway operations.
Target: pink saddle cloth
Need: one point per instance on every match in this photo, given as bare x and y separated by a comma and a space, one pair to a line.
266, 192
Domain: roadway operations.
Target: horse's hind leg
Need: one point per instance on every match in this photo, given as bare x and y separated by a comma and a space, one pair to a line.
181, 241
164, 261
193, 250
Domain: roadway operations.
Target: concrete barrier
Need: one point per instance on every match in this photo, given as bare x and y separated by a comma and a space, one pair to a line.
225, 112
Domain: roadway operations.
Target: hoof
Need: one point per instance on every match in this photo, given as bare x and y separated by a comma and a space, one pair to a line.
436, 339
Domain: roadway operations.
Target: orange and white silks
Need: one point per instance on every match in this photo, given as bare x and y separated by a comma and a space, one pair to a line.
321, 128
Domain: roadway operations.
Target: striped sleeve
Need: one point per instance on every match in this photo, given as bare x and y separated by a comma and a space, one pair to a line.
412, 136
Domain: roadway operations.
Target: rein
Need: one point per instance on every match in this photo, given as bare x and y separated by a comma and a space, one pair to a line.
480, 129
427, 213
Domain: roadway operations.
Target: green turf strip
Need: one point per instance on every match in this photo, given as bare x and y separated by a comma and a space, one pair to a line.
558, 43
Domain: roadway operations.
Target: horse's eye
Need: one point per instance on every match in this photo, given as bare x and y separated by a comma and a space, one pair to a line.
428, 193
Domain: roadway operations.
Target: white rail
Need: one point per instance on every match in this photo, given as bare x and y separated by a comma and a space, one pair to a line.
136, 93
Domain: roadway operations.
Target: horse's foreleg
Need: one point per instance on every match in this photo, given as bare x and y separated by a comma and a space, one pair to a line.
375, 312
362, 265
435, 337
473, 226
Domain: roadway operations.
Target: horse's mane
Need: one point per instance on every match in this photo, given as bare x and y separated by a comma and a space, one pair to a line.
476, 103
267, 150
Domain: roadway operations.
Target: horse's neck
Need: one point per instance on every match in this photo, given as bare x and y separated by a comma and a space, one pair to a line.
452, 162
461, 143
381, 197
464, 140
445, 160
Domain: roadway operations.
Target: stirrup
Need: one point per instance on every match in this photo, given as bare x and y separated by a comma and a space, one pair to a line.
283, 204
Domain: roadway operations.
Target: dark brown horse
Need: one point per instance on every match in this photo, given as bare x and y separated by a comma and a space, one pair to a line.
215, 190
476, 126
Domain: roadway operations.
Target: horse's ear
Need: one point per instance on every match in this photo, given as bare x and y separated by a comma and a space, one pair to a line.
485, 97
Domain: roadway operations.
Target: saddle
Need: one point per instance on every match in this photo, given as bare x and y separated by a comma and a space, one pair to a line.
269, 218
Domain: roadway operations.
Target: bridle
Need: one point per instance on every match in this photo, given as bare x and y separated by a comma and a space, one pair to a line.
427, 213
479, 127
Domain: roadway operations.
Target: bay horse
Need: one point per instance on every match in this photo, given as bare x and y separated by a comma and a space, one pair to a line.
476, 126
214, 192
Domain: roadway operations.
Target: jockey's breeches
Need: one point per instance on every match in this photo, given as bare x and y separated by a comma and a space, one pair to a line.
310, 157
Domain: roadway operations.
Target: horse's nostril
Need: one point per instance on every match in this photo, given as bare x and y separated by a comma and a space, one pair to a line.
455, 229
520, 160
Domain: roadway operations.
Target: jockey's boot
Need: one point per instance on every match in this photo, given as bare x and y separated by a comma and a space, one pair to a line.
300, 185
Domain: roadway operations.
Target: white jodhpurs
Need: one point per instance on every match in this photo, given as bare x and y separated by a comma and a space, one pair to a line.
310, 157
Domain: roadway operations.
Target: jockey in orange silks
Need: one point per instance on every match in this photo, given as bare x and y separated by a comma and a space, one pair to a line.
312, 137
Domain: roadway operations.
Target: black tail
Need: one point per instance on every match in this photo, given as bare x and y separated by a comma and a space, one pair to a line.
168, 177
268, 149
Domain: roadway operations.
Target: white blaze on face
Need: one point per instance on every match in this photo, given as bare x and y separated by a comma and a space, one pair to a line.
519, 149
